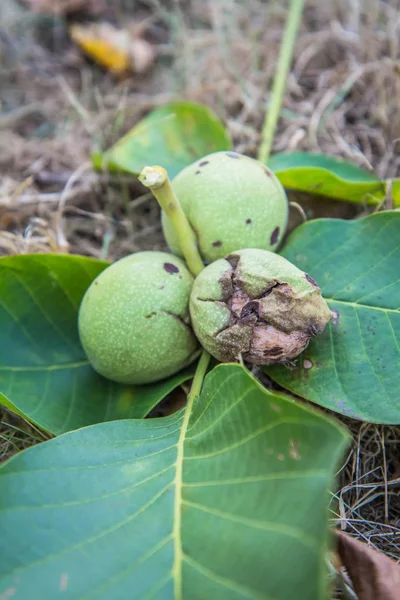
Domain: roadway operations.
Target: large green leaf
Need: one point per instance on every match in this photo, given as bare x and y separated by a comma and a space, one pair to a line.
44, 373
226, 500
354, 367
329, 176
172, 136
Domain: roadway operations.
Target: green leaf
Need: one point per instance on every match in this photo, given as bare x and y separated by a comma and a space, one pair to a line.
172, 136
44, 373
354, 367
332, 177
227, 500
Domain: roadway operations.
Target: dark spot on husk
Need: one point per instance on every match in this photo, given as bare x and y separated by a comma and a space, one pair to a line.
233, 260
226, 285
232, 155
251, 309
161, 287
197, 172
203, 163
274, 236
152, 314
269, 290
179, 318
248, 221
275, 351
268, 172
217, 244
170, 268
312, 281
171, 205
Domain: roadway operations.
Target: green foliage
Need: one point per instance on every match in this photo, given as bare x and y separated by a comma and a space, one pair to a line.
44, 373
227, 499
332, 177
354, 367
172, 136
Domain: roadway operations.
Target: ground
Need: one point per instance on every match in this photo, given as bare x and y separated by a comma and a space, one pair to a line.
55, 106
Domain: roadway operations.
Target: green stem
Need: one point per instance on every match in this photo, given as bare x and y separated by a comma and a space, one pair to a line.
201, 370
281, 73
156, 178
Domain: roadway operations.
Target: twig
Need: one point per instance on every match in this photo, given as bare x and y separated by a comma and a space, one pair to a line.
299, 209
281, 73
8, 120
61, 239
61, 178
12, 203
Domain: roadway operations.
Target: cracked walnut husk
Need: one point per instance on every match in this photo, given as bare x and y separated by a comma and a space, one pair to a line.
256, 305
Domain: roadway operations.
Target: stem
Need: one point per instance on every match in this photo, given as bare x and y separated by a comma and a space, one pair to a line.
281, 73
156, 178
199, 375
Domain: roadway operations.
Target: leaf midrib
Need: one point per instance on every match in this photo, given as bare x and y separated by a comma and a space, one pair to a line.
177, 527
356, 304
70, 365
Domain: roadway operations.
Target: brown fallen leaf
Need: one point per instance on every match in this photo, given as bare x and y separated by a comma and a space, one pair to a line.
63, 7
118, 50
375, 576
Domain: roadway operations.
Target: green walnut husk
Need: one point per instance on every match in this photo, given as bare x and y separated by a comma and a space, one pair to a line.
231, 201
257, 306
134, 321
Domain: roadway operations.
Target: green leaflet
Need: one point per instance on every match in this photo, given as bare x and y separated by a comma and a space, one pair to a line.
354, 367
173, 136
44, 373
332, 177
221, 501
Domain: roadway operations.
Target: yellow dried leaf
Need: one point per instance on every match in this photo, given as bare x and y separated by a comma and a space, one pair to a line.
108, 46
114, 49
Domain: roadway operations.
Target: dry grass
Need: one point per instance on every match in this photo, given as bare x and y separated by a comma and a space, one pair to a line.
55, 107
369, 498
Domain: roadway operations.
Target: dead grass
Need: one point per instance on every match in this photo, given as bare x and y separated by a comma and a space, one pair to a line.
16, 434
369, 498
341, 99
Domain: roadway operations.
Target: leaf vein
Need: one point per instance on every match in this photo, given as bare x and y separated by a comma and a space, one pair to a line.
94, 538
250, 437
260, 478
225, 581
293, 532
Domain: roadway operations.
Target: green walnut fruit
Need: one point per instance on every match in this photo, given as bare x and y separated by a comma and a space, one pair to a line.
231, 201
256, 305
134, 321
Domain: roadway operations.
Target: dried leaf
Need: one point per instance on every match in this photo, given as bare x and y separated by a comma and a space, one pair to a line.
375, 576
117, 50
63, 7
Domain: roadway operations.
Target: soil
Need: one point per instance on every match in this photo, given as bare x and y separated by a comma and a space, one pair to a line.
56, 106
